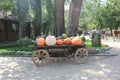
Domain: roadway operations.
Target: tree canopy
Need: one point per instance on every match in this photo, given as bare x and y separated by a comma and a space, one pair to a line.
100, 14
97, 14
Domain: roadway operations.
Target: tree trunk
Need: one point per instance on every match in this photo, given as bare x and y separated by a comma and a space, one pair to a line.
21, 31
59, 17
37, 19
73, 19
37, 28
49, 28
111, 33
22, 11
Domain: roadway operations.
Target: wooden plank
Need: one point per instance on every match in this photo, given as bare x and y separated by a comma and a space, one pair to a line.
59, 46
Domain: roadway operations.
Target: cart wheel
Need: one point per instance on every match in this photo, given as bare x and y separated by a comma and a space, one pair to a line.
40, 57
68, 53
81, 55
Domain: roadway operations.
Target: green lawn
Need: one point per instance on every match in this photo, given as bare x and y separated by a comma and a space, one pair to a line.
16, 50
88, 44
29, 47
19, 49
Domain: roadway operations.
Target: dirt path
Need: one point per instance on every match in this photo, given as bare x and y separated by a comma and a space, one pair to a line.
96, 68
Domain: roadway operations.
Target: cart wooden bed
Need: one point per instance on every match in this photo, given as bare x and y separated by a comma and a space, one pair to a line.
42, 54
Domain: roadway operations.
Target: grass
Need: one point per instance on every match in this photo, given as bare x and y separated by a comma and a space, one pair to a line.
29, 47
17, 48
88, 44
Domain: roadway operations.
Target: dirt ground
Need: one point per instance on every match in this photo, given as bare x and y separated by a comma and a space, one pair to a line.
96, 68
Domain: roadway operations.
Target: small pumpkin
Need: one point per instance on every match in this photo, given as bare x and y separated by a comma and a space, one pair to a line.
40, 41
76, 41
50, 40
64, 36
104, 45
59, 42
67, 41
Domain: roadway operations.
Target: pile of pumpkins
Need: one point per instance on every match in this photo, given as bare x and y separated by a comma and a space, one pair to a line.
51, 40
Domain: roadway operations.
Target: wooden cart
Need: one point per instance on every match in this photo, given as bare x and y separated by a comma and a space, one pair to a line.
42, 54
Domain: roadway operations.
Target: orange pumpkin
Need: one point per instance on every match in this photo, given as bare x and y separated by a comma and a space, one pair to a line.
76, 41
59, 42
104, 45
40, 41
67, 41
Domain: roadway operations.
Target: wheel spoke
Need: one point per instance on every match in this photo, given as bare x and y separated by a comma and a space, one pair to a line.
36, 54
84, 52
68, 53
81, 55
35, 58
40, 57
85, 55
37, 62
85, 58
81, 51
82, 60
41, 52
42, 62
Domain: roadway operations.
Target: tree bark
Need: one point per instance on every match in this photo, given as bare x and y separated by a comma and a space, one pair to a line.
73, 19
37, 19
59, 17
50, 22
21, 31
22, 11
111, 33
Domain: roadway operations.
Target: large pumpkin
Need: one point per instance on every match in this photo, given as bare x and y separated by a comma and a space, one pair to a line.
59, 42
50, 40
76, 41
67, 41
40, 41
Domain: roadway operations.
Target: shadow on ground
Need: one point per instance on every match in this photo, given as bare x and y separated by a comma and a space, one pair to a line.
96, 68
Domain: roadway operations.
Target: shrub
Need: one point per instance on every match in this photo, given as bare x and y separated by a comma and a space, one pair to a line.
24, 41
16, 53
83, 38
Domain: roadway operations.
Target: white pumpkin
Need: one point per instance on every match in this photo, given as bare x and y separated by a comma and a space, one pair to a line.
50, 40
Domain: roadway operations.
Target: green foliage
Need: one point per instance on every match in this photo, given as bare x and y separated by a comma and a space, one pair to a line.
16, 53
24, 41
22, 8
88, 44
100, 14
102, 49
6, 5
48, 17
111, 14
83, 38
94, 13
20, 50
16, 50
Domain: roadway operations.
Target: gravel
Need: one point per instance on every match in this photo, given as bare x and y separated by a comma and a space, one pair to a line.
96, 68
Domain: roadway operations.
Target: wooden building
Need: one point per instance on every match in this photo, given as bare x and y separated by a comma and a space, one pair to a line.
117, 33
9, 29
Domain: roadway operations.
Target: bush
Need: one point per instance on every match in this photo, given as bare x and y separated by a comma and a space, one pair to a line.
83, 38
16, 53
24, 41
